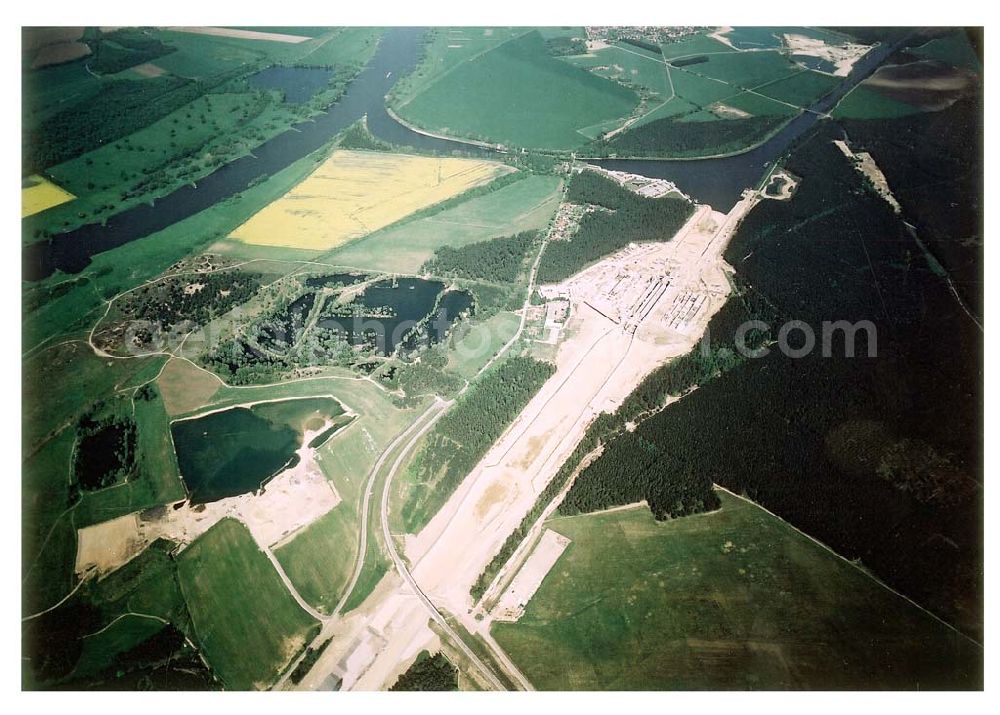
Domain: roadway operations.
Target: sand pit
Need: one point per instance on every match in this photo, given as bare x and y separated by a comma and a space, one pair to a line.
102, 548
289, 502
511, 605
842, 56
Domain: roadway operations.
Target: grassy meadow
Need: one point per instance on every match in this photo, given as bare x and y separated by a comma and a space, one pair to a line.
526, 204
517, 94
248, 640
733, 599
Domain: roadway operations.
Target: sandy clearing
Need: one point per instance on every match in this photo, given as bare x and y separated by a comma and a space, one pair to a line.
865, 163
242, 34
102, 548
511, 605
185, 387
842, 56
289, 502
148, 69
724, 110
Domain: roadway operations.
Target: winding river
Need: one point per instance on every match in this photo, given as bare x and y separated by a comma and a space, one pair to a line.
718, 182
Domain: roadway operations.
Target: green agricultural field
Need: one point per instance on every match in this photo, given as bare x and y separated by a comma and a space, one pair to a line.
446, 48
699, 91
865, 103
320, 558
671, 108
521, 206
550, 33
733, 599
518, 94
746, 70
247, 623
954, 48
472, 350
626, 64
694, 45
801, 89
203, 56
350, 45
758, 105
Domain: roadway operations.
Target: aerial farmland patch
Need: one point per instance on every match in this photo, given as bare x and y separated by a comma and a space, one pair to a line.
354, 193
458, 358
39, 194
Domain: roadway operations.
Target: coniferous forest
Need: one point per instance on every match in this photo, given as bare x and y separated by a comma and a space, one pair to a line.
878, 457
622, 217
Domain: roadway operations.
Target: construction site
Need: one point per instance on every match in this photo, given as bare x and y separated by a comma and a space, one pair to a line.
609, 326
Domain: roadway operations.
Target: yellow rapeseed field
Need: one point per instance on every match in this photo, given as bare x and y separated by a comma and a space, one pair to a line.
38, 194
354, 193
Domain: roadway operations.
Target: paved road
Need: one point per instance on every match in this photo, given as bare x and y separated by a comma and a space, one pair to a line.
405, 572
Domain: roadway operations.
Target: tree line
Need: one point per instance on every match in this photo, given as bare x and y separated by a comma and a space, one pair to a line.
670, 493
117, 51
498, 260
428, 672
671, 137
626, 217
469, 429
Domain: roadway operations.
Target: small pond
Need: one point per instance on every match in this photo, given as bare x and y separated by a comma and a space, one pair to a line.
237, 450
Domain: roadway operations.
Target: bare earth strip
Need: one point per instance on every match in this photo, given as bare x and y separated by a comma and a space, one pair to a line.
663, 296
242, 34
530, 577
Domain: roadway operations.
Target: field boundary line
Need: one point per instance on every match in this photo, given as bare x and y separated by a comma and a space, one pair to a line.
851, 563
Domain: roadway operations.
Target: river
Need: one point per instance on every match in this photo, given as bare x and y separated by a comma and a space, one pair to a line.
714, 181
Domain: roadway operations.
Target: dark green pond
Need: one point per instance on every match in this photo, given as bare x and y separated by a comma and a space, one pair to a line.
236, 451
